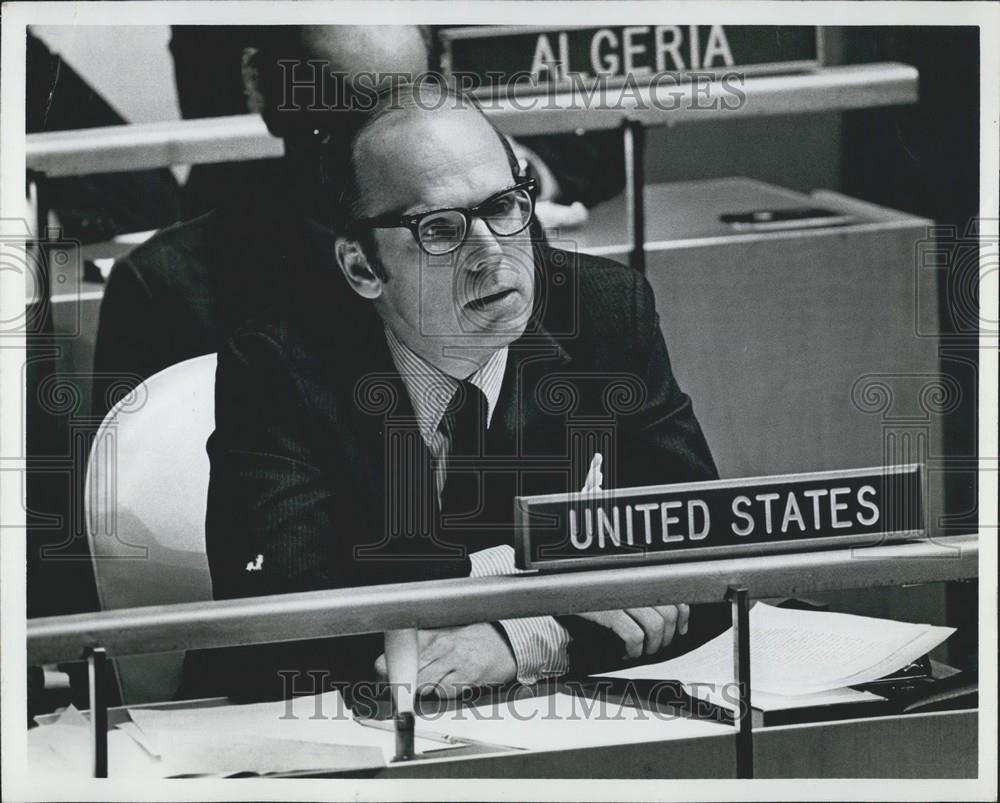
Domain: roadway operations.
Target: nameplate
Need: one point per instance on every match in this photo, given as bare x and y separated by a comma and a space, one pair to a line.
507, 60
718, 519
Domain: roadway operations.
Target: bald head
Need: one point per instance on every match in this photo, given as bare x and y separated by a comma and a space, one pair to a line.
350, 49
295, 73
418, 130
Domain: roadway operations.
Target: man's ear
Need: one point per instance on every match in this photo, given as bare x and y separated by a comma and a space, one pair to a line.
356, 268
251, 80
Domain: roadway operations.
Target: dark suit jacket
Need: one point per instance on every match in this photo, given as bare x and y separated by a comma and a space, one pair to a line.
184, 291
316, 441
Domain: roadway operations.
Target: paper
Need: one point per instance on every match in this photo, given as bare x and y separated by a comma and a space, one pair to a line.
563, 721
768, 701
232, 753
276, 736
796, 653
306, 733
64, 747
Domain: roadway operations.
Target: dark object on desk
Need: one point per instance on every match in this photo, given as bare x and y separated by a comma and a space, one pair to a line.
782, 219
663, 696
958, 691
907, 679
911, 690
800, 604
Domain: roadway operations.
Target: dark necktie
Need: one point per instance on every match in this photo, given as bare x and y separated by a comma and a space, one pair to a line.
464, 424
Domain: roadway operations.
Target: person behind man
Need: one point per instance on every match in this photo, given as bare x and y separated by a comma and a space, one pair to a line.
378, 429
180, 294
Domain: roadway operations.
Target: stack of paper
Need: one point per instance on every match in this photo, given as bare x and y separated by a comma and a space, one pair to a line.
305, 733
562, 721
63, 748
799, 658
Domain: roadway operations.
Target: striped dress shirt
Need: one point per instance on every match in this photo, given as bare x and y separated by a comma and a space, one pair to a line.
540, 644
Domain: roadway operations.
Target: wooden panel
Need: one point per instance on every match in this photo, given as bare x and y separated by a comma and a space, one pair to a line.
709, 757
941, 745
787, 347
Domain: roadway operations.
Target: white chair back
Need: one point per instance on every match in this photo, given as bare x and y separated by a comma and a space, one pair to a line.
146, 494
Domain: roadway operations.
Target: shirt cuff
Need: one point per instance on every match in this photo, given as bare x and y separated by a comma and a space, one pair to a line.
494, 561
539, 643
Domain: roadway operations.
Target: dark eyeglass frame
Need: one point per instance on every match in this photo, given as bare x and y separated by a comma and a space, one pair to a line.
412, 222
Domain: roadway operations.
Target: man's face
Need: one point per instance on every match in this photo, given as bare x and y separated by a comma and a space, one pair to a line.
454, 309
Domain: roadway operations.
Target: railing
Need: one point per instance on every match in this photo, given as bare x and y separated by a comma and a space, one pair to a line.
227, 139
244, 137
443, 603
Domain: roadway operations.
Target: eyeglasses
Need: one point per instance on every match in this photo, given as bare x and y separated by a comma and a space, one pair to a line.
442, 231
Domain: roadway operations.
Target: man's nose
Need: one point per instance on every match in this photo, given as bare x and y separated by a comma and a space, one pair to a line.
485, 245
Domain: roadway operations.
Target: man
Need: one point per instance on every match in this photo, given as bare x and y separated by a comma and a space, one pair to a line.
379, 427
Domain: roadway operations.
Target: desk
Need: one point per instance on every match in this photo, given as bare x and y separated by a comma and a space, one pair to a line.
937, 745
930, 745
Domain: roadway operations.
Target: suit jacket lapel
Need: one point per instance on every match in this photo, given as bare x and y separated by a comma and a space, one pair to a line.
529, 359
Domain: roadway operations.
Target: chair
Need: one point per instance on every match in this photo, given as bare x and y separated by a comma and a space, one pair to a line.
146, 493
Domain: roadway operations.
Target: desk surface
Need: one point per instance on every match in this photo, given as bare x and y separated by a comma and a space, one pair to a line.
680, 214
930, 745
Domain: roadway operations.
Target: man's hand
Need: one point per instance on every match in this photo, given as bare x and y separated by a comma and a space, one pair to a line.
453, 658
644, 630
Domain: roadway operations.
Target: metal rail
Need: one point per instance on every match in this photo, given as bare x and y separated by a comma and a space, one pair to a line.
374, 609
242, 137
